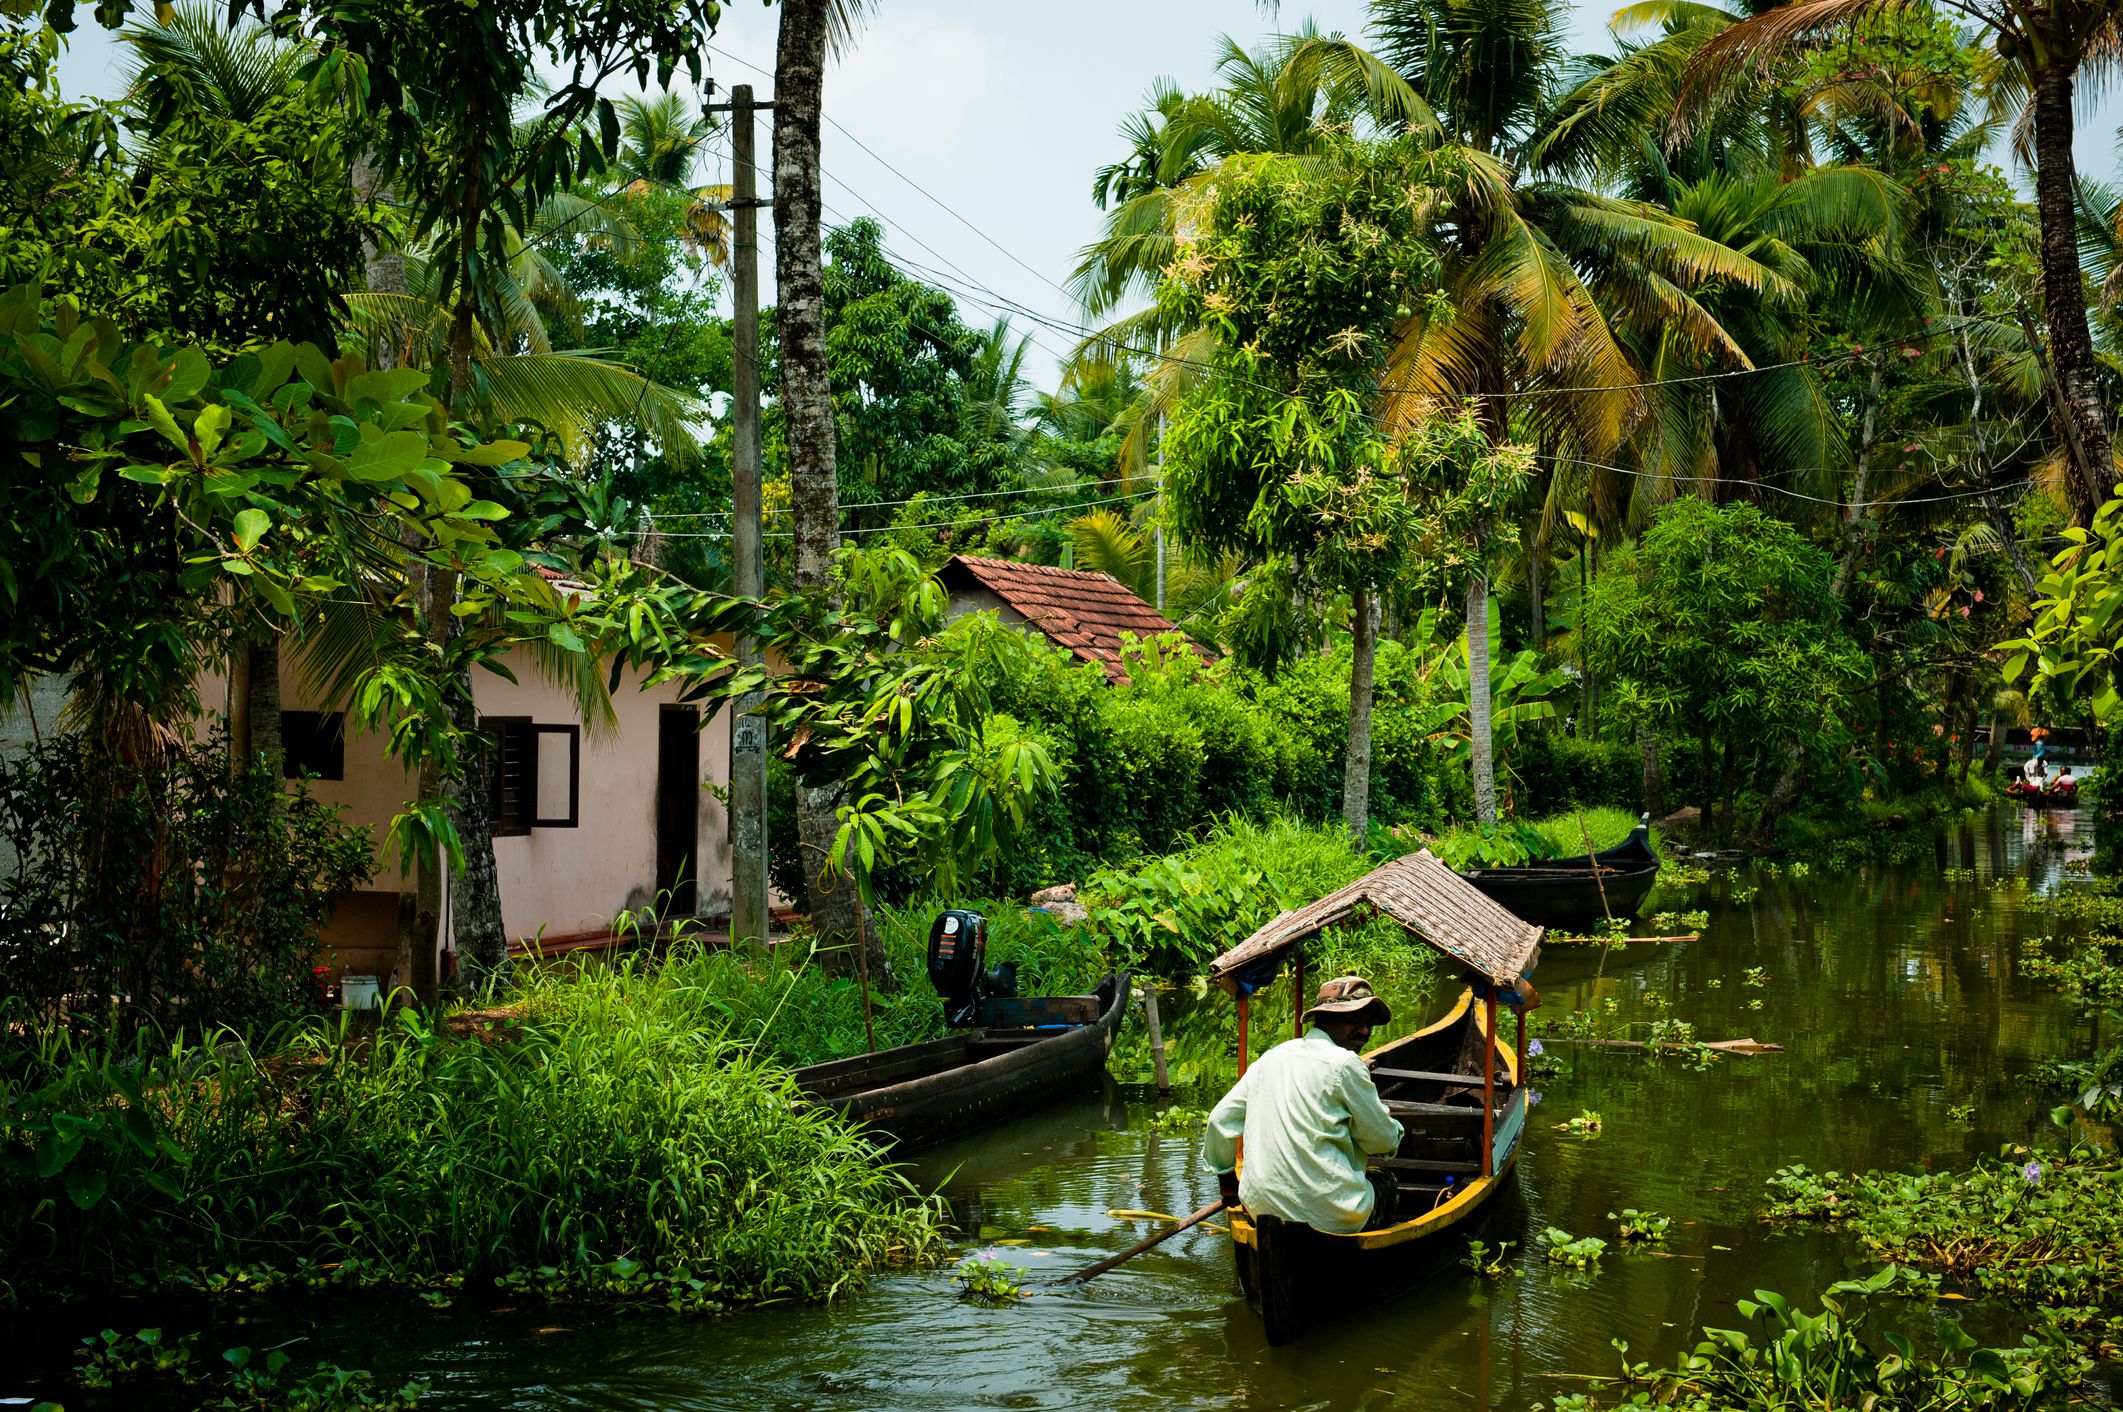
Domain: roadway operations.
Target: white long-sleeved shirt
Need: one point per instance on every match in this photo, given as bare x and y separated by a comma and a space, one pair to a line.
1309, 1113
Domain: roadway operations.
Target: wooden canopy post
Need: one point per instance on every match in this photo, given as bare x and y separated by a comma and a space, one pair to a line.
1297, 996
1521, 1049
1244, 1004
1489, 1087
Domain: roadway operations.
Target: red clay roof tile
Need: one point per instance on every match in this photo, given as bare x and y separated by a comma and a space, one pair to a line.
1083, 612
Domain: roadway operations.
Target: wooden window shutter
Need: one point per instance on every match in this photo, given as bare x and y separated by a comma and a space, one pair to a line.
515, 778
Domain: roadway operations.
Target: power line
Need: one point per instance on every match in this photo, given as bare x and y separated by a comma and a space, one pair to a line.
911, 500
936, 200
1794, 494
933, 524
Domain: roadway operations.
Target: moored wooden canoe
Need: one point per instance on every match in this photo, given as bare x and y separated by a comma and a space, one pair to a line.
1564, 892
1034, 1050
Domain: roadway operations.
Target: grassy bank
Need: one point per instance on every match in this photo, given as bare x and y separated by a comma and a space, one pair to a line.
603, 1139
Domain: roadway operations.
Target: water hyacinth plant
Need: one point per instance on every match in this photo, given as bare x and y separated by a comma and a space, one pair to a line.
2044, 1226
1578, 1252
1641, 1227
987, 1279
1791, 1359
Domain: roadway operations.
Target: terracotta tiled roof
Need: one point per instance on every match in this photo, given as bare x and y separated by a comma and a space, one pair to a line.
1085, 613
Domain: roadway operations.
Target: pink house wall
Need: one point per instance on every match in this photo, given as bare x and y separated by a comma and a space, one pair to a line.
556, 882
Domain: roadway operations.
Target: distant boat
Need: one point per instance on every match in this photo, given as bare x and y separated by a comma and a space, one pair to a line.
1565, 893
2043, 796
1011, 1053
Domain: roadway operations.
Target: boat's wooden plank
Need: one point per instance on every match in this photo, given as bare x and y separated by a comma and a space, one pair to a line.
1424, 1076
1024, 1011
1402, 1108
1426, 1164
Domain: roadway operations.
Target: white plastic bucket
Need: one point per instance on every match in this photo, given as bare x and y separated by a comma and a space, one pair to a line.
357, 992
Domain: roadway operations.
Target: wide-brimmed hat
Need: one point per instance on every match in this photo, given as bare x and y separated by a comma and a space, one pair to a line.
1349, 995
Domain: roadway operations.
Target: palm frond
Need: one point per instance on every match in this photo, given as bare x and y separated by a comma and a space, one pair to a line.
572, 393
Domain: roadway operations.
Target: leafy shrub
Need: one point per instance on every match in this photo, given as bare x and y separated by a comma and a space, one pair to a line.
1175, 914
164, 894
607, 1116
1558, 771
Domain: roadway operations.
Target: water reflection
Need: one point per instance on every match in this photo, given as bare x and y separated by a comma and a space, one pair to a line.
1895, 995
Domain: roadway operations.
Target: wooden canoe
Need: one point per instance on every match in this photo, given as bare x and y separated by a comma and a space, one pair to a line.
1295, 1276
1564, 893
1029, 1051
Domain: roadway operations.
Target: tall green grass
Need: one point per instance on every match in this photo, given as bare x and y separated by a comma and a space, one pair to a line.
610, 1131
1561, 835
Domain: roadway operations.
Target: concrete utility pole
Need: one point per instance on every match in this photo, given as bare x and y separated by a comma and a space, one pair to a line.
748, 732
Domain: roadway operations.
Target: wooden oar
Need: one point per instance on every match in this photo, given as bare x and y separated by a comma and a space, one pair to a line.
1092, 1272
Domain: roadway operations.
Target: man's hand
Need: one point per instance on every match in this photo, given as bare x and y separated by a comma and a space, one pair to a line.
1227, 1187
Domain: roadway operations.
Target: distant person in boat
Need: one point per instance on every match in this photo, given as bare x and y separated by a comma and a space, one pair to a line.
1310, 1114
2063, 783
2034, 773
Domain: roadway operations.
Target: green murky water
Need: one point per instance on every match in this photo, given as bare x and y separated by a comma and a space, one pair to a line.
1893, 990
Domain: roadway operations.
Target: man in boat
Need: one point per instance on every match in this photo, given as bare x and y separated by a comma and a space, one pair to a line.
1310, 1114
2063, 783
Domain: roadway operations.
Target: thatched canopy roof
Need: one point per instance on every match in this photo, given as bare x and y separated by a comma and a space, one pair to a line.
1431, 901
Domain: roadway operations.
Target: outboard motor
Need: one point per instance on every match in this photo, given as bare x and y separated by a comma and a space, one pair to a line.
958, 944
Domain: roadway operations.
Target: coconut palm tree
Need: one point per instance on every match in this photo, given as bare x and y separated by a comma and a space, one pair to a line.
809, 28
2046, 46
1551, 285
661, 141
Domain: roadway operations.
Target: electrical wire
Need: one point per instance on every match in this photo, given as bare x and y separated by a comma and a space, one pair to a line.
932, 524
911, 500
1794, 494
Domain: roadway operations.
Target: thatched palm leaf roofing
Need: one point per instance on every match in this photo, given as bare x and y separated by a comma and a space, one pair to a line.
1431, 901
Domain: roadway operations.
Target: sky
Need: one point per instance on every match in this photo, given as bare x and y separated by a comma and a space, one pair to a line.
971, 128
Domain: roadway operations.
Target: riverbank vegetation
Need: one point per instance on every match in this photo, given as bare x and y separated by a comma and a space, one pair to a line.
607, 1137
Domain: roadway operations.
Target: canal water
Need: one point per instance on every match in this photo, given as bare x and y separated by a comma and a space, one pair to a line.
1907, 1039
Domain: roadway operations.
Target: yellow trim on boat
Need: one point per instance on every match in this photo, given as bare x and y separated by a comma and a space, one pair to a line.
1439, 1217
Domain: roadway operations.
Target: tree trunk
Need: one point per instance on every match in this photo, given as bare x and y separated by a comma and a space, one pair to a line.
1537, 585
1356, 762
239, 707
1726, 782
420, 915
2000, 722
1965, 743
1949, 713
1706, 779
2071, 348
264, 693
807, 409
1478, 725
1861, 487
482, 940
1648, 743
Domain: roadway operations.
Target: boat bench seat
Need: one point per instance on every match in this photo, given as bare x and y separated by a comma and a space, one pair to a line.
1398, 1165
1424, 1076
1402, 1108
